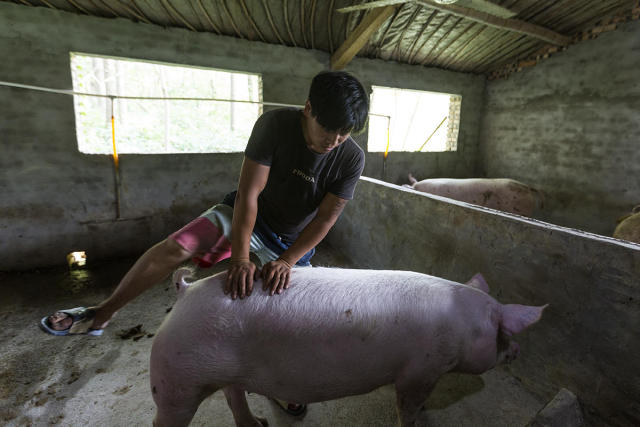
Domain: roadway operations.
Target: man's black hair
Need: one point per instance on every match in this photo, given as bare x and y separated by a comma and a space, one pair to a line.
338, 102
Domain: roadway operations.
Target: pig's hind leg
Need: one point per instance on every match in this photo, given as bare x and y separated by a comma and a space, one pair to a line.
240, 408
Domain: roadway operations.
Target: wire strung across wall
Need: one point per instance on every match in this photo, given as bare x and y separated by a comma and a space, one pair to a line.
112, 98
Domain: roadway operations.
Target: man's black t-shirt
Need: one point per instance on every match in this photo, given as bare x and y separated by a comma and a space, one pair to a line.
299, 178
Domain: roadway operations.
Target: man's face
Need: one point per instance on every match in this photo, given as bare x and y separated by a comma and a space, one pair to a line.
317, 137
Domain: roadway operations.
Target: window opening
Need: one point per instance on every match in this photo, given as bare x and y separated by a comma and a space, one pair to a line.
419, 120
209, 111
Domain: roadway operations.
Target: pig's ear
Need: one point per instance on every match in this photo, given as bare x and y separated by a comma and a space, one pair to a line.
516, 318
478, 282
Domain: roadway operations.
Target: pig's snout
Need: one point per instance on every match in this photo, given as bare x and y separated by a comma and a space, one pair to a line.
512, 352
180, 277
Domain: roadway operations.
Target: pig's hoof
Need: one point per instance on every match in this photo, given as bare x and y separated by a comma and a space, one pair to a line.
293, 409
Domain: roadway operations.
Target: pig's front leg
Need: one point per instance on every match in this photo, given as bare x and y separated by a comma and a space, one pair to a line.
177, 406
410, 397
240, 408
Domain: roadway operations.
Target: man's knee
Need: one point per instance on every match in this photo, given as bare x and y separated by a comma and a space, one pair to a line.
172, 250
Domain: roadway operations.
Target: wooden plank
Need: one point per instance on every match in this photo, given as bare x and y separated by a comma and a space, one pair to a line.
514, 25
359, 37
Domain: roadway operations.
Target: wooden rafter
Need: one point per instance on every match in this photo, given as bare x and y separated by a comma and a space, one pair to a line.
359, 37
514, 25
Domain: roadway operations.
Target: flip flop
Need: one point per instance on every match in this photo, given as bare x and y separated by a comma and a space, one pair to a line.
81, 323
293, 409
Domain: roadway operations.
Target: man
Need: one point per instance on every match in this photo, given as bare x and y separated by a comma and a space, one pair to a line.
299, 171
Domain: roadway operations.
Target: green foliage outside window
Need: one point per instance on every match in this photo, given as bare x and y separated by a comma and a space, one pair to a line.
161, 126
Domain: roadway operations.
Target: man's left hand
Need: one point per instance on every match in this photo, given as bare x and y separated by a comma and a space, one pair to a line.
275, 276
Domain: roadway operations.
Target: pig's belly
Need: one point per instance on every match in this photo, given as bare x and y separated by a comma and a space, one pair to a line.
322, 372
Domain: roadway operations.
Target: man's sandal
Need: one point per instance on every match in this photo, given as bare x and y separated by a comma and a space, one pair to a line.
81, 318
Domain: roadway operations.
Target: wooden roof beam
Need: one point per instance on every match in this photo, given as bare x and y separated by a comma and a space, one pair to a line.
514, 25
359, 37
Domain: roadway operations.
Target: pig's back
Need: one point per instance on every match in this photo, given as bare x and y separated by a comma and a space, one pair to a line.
329, 324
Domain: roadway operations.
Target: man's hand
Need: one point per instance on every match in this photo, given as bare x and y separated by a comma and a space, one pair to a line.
240, 277
275, 276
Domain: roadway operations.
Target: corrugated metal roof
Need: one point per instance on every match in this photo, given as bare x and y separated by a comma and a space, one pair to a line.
475, 36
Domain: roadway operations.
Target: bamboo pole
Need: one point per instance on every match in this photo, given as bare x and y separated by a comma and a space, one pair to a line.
443, 37
273, 27
288, 25
208, 17
462, 50
243, 5
455, 39
233, 24
409, 53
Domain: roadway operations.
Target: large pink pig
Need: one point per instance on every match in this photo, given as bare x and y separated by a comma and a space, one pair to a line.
332, 333
502, 194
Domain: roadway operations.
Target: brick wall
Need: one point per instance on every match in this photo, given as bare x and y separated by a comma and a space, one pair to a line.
455, 102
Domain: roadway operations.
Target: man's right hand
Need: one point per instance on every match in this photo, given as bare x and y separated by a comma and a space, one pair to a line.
240, 277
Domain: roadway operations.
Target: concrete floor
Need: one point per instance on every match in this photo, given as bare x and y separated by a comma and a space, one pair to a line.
104, 381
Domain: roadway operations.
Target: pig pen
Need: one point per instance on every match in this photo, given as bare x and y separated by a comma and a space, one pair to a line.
584, 342
588, 340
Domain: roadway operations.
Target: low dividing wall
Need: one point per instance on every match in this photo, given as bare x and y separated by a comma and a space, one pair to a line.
587, 340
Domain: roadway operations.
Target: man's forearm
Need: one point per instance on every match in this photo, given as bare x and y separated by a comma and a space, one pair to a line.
244, 218
309, 238
253, 178
328, 212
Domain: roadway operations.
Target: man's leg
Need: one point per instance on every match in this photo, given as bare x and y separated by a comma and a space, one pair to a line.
152, 267
205, 235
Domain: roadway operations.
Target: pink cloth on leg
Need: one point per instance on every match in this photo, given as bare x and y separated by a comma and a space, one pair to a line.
205, 240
